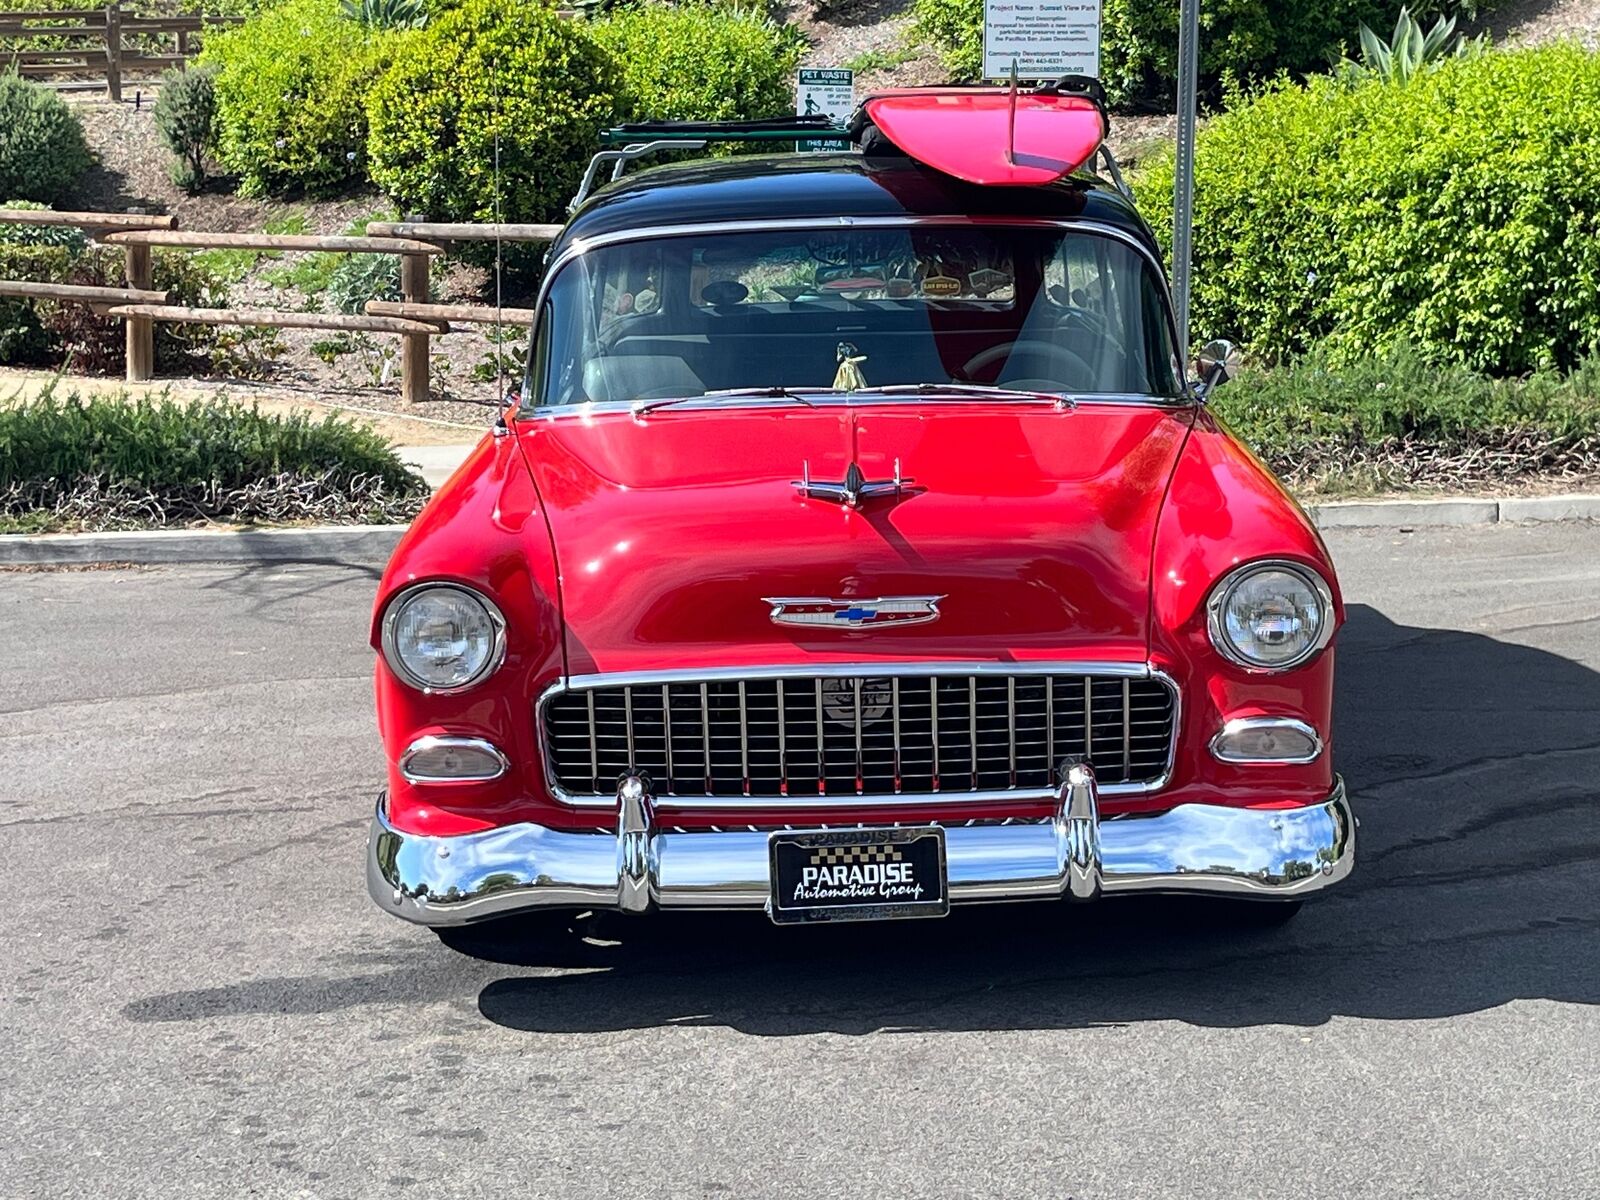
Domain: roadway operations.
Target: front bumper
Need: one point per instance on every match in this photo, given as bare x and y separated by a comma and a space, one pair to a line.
1270, 854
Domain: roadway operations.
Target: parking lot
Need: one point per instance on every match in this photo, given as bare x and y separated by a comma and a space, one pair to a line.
197, 997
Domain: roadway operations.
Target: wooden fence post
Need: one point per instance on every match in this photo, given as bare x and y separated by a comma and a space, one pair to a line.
414, 346
114, 57
141, 330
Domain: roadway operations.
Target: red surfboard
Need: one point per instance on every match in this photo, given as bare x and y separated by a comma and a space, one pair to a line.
991, 135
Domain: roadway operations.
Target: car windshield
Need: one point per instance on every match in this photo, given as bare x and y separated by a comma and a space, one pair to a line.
1027, 308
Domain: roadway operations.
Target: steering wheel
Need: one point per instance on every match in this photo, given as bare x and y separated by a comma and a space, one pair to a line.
985, 359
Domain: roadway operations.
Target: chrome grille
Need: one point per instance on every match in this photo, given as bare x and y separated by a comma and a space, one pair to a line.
858, 735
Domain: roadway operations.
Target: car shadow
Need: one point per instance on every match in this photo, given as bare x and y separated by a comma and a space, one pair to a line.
1475, 770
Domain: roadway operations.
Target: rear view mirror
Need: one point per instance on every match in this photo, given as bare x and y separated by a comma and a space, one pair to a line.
1217, 362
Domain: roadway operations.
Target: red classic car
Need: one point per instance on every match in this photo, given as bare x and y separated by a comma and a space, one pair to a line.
858, 545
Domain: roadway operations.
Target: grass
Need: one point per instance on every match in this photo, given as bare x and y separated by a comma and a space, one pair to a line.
880, 60
115, 462
1398, 423
231, 266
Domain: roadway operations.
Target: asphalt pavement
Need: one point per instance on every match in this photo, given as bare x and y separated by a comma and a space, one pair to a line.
198, 999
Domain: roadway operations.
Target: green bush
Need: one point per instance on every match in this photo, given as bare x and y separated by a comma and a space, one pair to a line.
357, 278
701, 62
185, 116
1396, 422
117, 463
42, 151
1456, 212
291, 89
543, 83
1249, 39
69, 334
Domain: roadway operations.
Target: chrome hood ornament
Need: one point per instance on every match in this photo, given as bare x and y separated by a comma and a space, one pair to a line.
853, 488
853, 614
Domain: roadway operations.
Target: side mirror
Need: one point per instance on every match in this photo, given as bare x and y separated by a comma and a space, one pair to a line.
1218, 362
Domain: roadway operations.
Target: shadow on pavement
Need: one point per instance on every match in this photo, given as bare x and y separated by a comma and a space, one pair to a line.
1475, 769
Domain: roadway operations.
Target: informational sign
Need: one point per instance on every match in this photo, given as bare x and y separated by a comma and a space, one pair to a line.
826, 92
1044, 39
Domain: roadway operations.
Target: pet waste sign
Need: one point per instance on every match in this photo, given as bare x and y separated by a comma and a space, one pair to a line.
825, 92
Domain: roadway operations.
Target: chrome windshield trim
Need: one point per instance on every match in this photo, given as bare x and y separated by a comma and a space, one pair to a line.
580, 246
877, 670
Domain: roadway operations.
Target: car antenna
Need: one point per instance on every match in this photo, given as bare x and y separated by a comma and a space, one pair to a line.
500, 428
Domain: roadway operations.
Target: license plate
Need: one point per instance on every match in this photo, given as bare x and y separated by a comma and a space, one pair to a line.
858, 875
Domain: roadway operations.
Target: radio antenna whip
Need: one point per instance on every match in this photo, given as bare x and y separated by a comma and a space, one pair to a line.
499, 252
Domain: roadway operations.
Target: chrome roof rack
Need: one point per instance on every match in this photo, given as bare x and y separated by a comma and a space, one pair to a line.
628, 142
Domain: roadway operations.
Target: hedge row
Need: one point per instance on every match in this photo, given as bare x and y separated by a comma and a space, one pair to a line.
1395, 422
1455, 212
310, 99
101, 463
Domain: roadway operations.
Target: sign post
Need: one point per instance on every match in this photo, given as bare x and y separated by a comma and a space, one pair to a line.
1041, 39
827, 92
1183, 190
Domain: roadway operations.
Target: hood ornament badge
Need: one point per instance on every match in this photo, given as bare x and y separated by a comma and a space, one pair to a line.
853, 614
853, 488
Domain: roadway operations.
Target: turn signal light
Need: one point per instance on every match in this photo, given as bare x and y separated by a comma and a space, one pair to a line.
1266, 740
452, 760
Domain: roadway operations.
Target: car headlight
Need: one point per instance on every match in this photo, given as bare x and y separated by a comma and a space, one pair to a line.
1270, 616
443, 637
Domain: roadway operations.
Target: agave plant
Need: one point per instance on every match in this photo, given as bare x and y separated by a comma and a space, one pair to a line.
386, 14
1410, 49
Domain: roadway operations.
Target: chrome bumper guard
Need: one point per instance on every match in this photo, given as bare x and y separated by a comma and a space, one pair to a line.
1270, 854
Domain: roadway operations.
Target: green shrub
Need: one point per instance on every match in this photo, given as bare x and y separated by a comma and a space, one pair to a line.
386, 14
42, 151
542, 82
118, 463
73, 334
701, 62
1139, 39
357, 278
1456, 212
1397, 422
291, 91
185, 116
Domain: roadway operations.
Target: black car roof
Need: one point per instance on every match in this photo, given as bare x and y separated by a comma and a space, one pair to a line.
746, 187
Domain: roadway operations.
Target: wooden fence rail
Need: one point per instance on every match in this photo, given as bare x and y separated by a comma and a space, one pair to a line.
98, 44
140, 306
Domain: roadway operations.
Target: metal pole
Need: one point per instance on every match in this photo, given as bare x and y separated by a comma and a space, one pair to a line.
1183, 191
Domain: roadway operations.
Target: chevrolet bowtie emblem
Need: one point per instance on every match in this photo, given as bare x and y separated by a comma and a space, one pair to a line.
853, 488
853, 614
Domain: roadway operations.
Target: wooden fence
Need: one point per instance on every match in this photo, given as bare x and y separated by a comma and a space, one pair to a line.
140, 306
90, 48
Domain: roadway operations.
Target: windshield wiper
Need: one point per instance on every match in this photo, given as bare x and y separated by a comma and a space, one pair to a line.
978, 391
773, 393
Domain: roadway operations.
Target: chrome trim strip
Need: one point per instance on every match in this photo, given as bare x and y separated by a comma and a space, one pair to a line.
391, 613
580, 246
434, 741
1268, 854
872, 670
821, 671
1218, 596
1239, 724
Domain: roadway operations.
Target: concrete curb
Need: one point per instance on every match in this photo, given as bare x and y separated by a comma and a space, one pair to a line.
356, 545
371, 545
1419, 514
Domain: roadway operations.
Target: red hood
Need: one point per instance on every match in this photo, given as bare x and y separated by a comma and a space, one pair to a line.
1035, 524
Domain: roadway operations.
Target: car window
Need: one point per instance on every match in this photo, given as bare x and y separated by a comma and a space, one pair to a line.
1038, 308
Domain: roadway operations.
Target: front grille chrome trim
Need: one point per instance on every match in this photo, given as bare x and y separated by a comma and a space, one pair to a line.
790, 797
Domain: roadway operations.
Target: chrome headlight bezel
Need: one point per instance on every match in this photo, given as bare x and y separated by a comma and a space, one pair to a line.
391, 653
1222, 592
